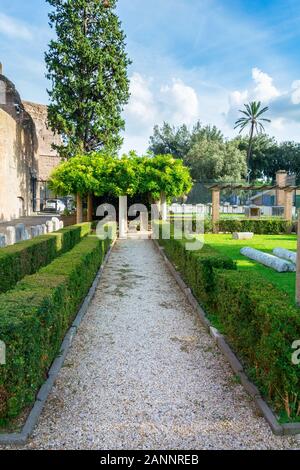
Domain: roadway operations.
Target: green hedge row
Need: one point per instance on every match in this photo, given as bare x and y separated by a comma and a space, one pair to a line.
258, 226
255, 316
272, 226
197, 267
28, 257
34, 318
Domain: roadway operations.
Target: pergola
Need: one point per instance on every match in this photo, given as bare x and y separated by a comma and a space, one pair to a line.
218, 187
288, 205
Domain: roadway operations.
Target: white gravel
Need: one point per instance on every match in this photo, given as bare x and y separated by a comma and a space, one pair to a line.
143, 373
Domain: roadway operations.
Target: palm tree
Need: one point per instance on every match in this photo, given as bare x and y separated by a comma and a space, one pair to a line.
252, 117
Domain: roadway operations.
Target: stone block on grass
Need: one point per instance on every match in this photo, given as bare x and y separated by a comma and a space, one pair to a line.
268, 260
242, 235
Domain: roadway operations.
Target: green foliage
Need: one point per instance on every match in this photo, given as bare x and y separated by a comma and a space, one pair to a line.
87, 65
258, 226
256, 317
170, 140
212, 160
261, 325
204, 150
29, 256
210, 133
197, 267
101, 174
34, 318
269, 156
164, 173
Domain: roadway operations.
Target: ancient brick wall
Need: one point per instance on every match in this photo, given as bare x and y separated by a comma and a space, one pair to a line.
26, 153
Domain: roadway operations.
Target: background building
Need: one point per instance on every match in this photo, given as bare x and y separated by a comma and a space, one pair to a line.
26, 154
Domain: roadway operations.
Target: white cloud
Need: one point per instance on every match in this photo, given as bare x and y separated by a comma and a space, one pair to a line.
278, 124
237, 98
14, 28
295, 96
264, 90
141, 105
181, 102
151, 104
284, 109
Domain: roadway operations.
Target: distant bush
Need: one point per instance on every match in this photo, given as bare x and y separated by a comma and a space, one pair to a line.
258, 226
28, 257
34, 318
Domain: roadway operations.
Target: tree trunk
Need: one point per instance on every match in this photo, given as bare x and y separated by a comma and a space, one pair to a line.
79, 211
90, 208
250, 151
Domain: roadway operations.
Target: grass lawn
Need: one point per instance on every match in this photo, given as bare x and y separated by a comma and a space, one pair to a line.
225, 244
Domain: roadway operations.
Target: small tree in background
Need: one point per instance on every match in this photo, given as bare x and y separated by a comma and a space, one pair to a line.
87, 65
252, 117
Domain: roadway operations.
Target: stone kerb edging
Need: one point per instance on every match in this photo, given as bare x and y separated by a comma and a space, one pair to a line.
278, 429
35, 413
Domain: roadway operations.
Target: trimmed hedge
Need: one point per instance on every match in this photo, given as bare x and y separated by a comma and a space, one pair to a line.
28, 257
197, 267
255, 315
34, 318
271, 226
261, 325
258, 226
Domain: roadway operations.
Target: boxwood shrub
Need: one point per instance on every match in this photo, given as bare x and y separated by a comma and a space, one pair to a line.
28, 257
34, 318
256, 317
197, 267
261, 325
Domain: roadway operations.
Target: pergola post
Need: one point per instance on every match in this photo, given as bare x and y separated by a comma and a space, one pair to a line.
215, 208
163, 206
123, 223
90, 207
298, 265
79, 210
288, 205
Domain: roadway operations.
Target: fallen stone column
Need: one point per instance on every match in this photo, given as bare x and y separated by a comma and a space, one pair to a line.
270, 261
285, 254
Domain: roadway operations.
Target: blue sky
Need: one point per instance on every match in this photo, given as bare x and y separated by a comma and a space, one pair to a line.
192, 59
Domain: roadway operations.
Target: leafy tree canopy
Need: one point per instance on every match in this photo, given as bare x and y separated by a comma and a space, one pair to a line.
100, 174
211, 157
212, 160
168, 139
164, 173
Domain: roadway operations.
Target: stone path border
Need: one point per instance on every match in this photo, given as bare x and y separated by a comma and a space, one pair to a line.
289, 429
34, 415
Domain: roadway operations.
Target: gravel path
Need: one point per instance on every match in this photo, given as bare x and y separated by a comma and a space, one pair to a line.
143, 374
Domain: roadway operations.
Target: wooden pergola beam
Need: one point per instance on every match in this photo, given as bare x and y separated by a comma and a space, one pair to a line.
288, 204
215, 208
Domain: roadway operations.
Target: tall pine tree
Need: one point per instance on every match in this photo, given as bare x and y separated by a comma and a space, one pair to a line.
87, 65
